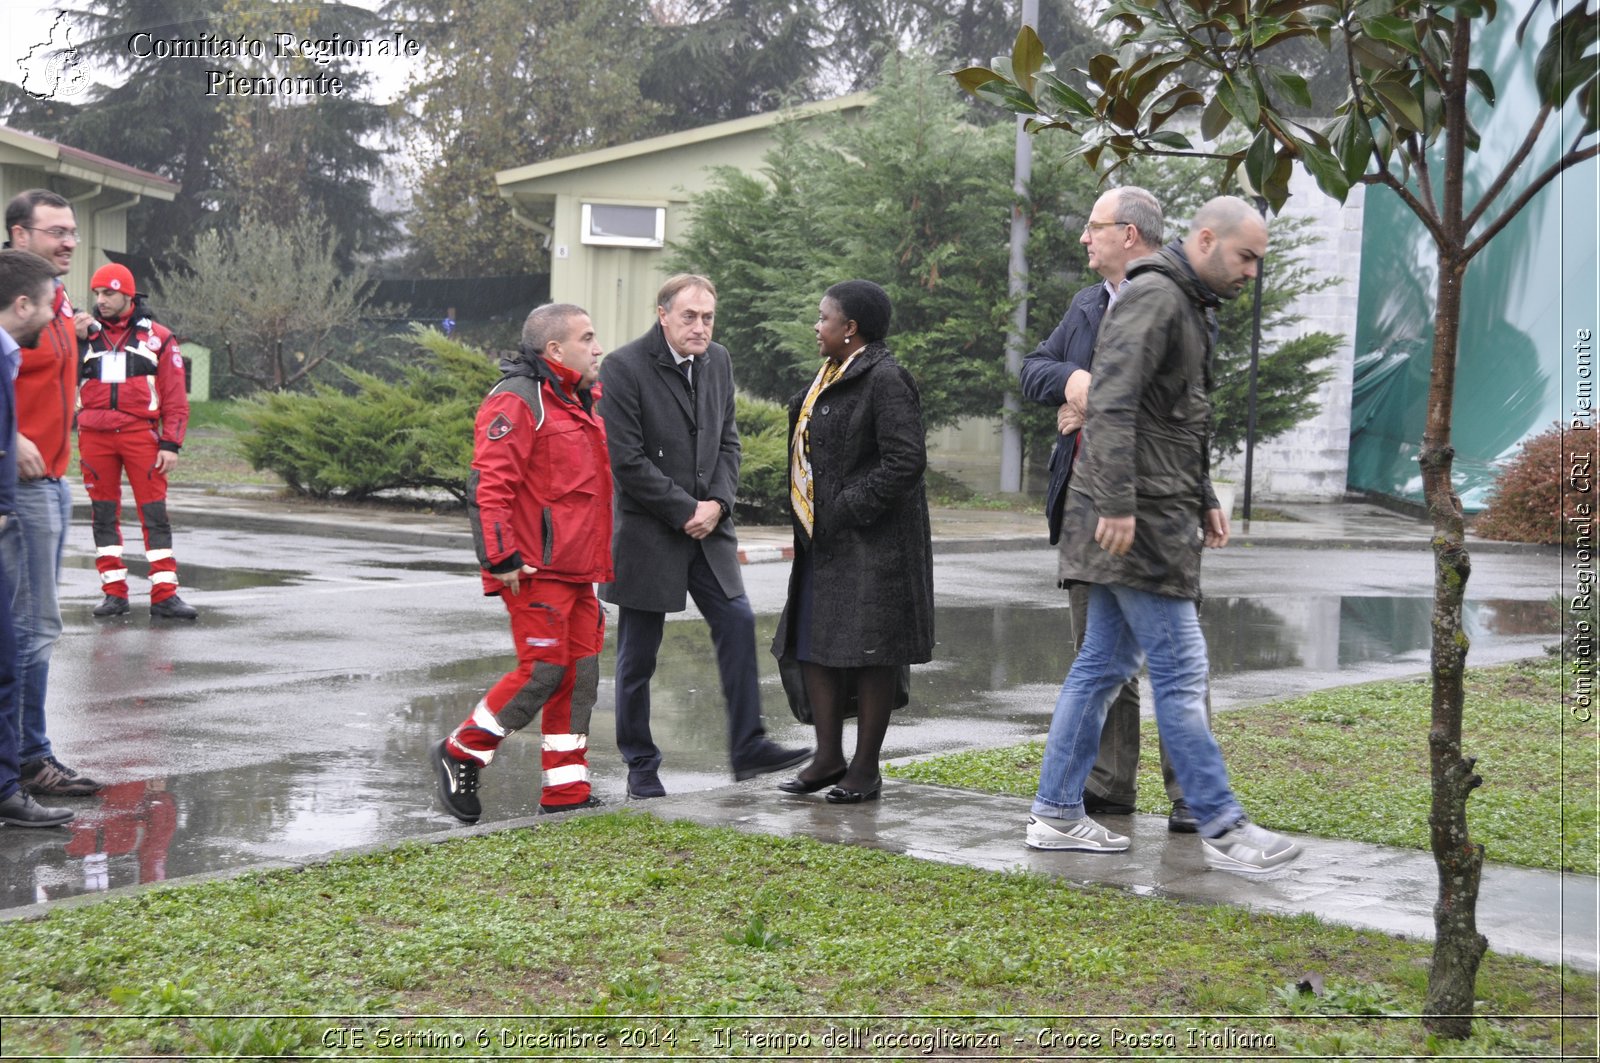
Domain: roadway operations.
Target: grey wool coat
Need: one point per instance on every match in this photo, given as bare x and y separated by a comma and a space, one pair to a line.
670, 450
1146, 439
870, 549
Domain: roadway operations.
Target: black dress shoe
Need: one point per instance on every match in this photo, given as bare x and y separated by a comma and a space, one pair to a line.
173, 608
644, 784
588, 802
1093, 803
21, 810
769, 758
1182, 820
797, 785
840, 796
114, 605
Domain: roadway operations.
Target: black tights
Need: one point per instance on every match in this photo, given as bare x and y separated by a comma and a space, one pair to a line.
875, 693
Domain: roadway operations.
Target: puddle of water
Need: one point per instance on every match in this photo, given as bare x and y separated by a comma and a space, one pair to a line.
200, 577
379, 785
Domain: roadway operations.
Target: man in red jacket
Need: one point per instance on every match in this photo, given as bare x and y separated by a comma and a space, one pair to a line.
132, 412
40, 221
540, 502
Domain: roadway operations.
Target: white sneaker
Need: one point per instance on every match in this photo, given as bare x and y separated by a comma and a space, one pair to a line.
1249, 849
1084, 835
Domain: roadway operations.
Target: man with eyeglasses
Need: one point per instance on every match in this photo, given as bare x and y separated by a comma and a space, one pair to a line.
42, 222
1125, 224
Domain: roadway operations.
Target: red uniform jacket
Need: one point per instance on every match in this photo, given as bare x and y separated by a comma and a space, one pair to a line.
145, 390
540, 489
47, 388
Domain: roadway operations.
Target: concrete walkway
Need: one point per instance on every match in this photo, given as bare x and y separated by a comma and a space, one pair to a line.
1544, 915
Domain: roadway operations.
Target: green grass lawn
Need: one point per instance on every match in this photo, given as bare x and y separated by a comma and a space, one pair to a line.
607, 923
1353, 763
211, 456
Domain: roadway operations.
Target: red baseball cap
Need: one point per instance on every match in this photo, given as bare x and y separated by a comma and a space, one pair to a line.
116, 277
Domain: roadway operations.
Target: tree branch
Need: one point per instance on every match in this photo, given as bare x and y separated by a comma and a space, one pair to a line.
1419, 155
1185, 154
1570, 159
1424, 212
1510, 168
1427, 63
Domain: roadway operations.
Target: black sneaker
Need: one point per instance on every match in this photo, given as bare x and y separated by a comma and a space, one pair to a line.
173, 608
49, 776
458, 784
21, 810
114, 605
588, 802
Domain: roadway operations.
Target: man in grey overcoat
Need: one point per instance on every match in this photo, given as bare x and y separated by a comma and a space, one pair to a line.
667, 402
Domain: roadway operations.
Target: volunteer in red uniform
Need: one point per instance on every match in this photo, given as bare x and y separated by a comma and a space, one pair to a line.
132, 412
540, 503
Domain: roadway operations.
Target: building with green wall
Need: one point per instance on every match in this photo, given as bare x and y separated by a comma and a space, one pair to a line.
608, 216
1526, 298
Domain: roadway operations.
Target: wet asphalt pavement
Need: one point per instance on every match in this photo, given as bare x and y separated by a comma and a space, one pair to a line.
295, 716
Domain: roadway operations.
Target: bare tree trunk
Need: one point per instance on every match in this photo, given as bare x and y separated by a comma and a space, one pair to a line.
1458, 947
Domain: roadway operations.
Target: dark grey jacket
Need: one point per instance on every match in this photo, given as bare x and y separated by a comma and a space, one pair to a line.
1146, 438
670, 450
871, 549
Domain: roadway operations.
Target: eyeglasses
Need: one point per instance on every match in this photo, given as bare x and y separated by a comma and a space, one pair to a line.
1090, 225
57, 233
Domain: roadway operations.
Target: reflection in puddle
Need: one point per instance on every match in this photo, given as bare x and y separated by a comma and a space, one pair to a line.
381, 787
200, 577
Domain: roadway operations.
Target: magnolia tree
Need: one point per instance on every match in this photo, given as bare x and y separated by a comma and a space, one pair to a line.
1404, 124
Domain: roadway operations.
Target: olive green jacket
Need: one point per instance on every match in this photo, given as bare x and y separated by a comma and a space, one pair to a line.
1146, 439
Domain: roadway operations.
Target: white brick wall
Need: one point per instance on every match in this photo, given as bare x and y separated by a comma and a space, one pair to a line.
1308, 462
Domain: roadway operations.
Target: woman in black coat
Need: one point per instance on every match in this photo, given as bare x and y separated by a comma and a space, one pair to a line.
860, 604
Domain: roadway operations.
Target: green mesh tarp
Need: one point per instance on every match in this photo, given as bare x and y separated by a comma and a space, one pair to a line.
1525, 298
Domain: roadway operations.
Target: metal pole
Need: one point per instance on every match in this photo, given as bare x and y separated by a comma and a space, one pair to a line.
1255, 365
1011, 428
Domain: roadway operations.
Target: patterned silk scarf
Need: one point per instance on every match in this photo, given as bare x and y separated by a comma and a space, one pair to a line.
800, 485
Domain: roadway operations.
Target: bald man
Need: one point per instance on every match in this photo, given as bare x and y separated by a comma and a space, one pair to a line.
1139, 506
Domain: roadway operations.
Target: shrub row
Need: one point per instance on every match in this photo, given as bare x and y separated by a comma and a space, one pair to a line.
415, 432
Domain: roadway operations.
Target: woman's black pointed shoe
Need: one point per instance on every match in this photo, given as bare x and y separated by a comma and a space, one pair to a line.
840, 796
798, 785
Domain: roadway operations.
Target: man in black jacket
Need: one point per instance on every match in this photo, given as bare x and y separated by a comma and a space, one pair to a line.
667, 402
1125, 224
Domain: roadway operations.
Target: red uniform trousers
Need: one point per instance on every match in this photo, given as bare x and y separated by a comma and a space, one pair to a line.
102, 456
558, 628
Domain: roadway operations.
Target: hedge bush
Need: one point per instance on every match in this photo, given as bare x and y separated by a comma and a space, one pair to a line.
1526, 503
764, 468
381, 435
416, 433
